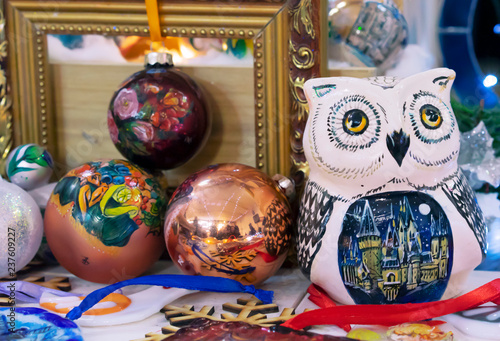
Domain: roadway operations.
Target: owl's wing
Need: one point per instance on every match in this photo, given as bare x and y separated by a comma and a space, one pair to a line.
315, 210
276, 229
458, 190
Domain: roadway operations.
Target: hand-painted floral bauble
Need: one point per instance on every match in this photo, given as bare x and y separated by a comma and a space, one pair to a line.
103, 221
29, 166
229, 220
21, 228
159, 116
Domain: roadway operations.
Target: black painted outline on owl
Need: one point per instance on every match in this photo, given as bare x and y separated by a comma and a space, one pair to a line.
316, 207
347, 173
431, 188
445, 83
385, 82
336, 133
435, 163
323, 90
461, 195
446, 129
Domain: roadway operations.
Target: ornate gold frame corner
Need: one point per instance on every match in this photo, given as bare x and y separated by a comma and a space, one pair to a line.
308, 59
283, 60
5, 114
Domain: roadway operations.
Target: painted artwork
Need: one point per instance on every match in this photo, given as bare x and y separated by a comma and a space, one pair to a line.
119, 193
392, 138
29, 166
395, 248
110, 214
36, 324
158, 118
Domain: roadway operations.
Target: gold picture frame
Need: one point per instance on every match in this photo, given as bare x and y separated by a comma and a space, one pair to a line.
286, 53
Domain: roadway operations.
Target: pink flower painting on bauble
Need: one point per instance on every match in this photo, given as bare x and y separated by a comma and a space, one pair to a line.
113, 129
144, 131
126, 104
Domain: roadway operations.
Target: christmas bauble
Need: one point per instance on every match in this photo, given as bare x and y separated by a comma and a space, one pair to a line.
103, 221
27, 323
159, 116
21, 226
229, 220
367, 33
29, 166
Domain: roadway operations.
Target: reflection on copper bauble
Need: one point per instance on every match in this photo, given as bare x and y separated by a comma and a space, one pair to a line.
159, 118
229, 220
103, 221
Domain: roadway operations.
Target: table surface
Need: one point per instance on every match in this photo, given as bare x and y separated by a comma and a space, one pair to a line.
290, 291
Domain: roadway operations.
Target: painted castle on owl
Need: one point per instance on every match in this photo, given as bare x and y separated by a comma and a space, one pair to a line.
398, 262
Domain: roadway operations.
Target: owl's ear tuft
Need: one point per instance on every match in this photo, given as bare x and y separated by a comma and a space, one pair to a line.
317, 88
445, 80
441, 78
323, 90
438, 81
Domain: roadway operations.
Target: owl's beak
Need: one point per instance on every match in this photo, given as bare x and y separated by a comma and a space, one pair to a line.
398, 143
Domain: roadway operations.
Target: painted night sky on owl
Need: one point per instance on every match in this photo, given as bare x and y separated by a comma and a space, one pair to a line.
381, 208
408, 264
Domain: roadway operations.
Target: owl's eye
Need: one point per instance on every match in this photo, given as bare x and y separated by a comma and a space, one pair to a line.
431, 116
431, 119
355, 122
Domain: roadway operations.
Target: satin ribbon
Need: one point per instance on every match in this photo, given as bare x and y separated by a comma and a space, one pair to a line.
153, 20
214, 284
319, 297
393, 314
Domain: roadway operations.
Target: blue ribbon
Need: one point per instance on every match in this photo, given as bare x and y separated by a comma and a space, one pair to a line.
214, 284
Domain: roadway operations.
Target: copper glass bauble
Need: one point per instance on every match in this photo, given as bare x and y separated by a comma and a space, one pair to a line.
229, 220
103, 221
158, 118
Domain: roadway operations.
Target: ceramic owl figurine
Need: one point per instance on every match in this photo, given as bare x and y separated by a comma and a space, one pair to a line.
386, 215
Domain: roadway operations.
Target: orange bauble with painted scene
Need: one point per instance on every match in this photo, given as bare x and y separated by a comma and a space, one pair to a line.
103, 221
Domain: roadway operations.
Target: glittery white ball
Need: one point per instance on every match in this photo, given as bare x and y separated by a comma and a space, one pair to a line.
21, 228
29, 166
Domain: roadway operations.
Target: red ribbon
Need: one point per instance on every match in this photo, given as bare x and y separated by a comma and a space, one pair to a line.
319, 297
265, 256
393, 314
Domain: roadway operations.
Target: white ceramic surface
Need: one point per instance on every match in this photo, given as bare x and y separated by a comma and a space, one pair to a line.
383, 169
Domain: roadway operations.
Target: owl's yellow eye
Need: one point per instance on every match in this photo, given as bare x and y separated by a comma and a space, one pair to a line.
431, 116
355, 122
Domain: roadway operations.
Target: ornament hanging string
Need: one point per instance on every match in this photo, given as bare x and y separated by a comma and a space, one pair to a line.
392, 314
153, 21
